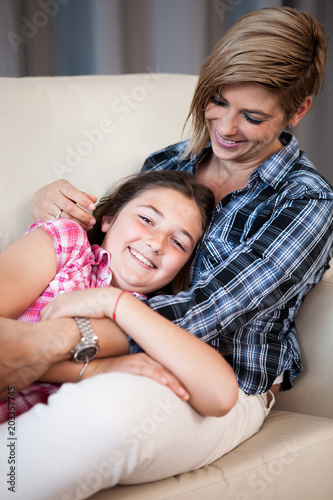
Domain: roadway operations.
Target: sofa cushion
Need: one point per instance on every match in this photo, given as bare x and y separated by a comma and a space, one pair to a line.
272, 464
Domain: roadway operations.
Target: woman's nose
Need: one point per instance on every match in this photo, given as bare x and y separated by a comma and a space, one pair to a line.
226, 125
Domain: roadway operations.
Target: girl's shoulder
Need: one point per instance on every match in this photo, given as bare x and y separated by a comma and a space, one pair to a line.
69, 238
62, 228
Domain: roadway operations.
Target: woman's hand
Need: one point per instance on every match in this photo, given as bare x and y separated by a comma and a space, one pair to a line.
91, 303
138, 364
28, 350
61, 195
20, 362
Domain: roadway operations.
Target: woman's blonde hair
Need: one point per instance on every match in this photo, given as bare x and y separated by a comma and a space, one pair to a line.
281, 49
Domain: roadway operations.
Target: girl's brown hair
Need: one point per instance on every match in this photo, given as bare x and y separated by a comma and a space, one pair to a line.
281, 49
115, 200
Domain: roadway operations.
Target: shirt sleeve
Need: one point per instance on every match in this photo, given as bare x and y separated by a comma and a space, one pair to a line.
273, 268
69, 239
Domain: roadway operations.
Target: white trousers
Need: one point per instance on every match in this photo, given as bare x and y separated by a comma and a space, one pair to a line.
115, 428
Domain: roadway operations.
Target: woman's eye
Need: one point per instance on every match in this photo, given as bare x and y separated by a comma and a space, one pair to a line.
218, 101
252, 120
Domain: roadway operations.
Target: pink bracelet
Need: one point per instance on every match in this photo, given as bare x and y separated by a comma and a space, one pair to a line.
115, 306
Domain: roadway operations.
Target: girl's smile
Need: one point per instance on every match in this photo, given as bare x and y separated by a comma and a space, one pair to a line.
151, 239
141, 258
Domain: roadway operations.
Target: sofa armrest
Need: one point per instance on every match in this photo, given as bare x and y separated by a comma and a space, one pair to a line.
313, 389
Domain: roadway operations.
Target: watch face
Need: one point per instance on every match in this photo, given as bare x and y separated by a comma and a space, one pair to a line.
86, 354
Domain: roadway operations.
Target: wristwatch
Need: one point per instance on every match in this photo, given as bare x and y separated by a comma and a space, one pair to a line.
87, 348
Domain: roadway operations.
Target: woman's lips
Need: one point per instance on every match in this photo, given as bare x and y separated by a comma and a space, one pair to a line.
226, 143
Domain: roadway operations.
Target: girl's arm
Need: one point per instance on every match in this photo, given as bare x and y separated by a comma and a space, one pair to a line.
205, 374
28, 350
26, 268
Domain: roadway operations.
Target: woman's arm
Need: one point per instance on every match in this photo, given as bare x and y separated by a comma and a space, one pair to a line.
41, 351
29, 349
112, 342
136, 364
204, 373
112, 356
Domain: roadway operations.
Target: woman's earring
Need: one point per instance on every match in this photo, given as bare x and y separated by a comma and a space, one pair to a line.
289, 125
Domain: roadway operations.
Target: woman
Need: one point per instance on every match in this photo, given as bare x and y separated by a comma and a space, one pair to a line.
268, 244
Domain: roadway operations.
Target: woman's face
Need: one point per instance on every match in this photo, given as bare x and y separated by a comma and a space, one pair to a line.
244, 122
151, 239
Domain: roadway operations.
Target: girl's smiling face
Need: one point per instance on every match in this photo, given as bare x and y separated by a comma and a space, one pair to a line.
245, 121
151, 239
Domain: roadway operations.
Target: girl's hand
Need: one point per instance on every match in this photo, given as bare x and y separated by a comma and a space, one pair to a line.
91, 303
61, 195
138, 364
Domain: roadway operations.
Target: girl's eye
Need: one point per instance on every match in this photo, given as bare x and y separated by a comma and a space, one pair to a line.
252, 120
176, 242
146, 219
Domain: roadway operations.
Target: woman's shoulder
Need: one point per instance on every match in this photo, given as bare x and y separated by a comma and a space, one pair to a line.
166, 157
305, 173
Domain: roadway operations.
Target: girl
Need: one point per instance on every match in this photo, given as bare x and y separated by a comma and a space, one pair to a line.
146, 232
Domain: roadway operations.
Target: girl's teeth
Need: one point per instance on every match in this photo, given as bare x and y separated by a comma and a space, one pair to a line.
141, 258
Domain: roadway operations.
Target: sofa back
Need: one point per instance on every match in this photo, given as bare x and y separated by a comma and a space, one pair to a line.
93, 130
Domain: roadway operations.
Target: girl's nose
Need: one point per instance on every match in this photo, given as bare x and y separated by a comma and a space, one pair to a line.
156, 242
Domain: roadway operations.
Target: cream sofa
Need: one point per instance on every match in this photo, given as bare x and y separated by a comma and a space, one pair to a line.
93, 130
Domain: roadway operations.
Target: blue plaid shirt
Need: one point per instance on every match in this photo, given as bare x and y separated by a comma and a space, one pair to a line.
266, 246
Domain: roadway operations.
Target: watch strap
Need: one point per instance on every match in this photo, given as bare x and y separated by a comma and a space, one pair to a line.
85, 328
87, 347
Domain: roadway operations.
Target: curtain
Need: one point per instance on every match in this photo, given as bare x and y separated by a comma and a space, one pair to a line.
75, 37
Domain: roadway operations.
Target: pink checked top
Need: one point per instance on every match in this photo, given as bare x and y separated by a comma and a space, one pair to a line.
79, 266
